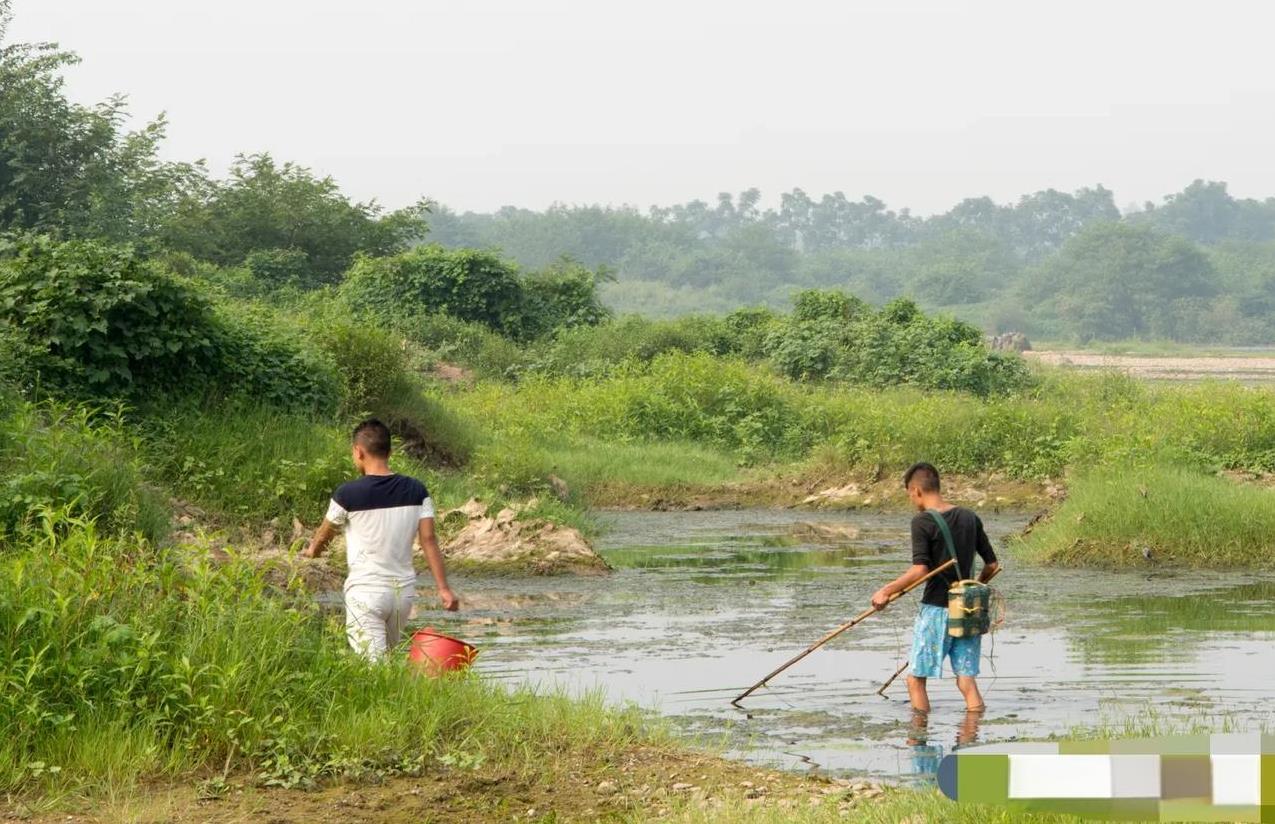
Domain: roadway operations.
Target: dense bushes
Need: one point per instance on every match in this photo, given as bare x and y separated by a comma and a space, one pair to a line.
756, 417
466, 284
563, 296
371, 363
97, 320
262, 358
831, 335
104, 319
477, 287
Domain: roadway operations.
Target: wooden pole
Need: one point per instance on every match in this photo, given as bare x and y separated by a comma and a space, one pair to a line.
825, 639
899, 671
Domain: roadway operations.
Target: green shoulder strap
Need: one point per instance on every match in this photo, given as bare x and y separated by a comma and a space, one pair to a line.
947, 538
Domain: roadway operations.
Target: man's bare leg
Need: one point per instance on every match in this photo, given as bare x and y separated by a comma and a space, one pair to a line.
968, 686
918, 728
917, 694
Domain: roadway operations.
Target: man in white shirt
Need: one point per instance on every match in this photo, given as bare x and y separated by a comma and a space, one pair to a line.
383, 514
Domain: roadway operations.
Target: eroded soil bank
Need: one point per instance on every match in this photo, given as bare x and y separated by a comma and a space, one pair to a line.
831, 491
648, 783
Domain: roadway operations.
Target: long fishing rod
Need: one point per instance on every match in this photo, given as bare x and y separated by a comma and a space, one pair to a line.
899, 671
817, 644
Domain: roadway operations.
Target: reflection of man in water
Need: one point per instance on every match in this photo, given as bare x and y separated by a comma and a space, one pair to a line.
926, 756
931, 643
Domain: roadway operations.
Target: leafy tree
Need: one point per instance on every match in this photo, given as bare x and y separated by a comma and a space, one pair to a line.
1206, 213
73, 170
266, 206
1118, 281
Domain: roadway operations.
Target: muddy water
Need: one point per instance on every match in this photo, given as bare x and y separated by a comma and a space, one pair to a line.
703, 604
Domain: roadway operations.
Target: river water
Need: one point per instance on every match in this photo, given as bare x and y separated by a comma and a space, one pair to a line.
703, 604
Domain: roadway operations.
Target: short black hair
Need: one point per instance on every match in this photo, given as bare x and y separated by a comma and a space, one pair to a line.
925, 475
374, 437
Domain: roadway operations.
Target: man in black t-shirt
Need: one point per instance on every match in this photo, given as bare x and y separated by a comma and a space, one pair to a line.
930, 641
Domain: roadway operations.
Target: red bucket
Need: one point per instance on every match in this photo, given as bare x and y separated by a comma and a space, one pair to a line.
436, 653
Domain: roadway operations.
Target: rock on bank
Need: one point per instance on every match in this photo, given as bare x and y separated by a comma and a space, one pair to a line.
507, 542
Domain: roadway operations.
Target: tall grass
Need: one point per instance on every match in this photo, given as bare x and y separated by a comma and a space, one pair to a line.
78, 457
120, 663
1178, 515
742, 412
247, 461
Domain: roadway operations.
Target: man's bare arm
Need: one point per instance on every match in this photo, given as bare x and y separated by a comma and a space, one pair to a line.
988, 571
434, 556
322, 537
915, 573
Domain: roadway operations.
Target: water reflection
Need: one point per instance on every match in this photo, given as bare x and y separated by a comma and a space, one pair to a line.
1141, 629
925, 753
762, 559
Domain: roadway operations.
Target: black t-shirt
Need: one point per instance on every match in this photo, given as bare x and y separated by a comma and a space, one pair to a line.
929, 548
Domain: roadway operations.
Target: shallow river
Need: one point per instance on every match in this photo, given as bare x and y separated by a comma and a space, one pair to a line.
703, 604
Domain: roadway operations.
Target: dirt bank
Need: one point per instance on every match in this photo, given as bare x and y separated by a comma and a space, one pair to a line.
645, 783
827, 491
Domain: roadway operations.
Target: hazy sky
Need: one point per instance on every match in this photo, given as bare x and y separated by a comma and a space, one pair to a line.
482, 103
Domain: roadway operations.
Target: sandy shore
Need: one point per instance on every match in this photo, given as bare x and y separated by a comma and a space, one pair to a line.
1239, 367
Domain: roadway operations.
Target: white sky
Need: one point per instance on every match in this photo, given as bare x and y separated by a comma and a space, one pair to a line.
482, 103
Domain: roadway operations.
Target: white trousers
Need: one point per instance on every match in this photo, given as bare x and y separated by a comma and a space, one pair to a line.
375, 617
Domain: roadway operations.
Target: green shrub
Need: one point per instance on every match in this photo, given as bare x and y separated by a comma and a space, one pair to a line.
283, 267
106, 320
821, 304
219, 281
262, 359
20, 360
746, 331
467, 284
563, 296
97, 320
836, 336
370, 362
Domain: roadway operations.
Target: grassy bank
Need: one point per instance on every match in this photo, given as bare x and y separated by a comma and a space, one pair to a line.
759, 420
1158, 515
124, 664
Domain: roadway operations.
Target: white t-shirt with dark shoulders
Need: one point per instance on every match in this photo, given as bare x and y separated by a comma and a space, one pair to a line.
381, 515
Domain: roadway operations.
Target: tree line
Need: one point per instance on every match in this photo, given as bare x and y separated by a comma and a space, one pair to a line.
1198, 267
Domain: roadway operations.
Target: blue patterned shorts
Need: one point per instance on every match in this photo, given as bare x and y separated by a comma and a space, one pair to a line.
931, 644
